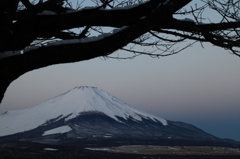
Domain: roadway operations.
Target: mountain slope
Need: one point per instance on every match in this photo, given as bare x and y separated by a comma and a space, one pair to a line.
71, 104
87, 115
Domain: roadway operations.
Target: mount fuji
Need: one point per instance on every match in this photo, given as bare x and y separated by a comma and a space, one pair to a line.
86, 114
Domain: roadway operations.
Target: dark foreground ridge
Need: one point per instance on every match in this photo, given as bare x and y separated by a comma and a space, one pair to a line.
25, 150
99, 142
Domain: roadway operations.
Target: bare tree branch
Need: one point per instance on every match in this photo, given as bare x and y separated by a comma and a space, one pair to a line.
41, 34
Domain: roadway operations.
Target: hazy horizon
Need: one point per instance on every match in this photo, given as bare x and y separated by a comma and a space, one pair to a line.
199, 86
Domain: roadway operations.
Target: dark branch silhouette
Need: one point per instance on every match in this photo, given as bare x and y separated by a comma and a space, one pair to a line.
37, 34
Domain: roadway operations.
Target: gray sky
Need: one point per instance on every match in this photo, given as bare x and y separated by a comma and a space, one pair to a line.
199, 86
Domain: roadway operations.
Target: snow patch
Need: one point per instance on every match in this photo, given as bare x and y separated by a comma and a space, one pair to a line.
50, 149
61, 42
59, 130
98, 149
87, 39
31, 48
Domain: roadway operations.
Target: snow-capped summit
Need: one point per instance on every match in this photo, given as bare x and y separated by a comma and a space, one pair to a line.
88, 115
69, 106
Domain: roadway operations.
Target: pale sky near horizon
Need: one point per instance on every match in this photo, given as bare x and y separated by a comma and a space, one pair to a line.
199, 86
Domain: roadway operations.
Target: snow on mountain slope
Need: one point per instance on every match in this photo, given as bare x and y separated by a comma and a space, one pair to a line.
61, 129
70, 105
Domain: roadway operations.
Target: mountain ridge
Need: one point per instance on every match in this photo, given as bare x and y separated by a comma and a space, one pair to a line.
71, 104
86, 115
